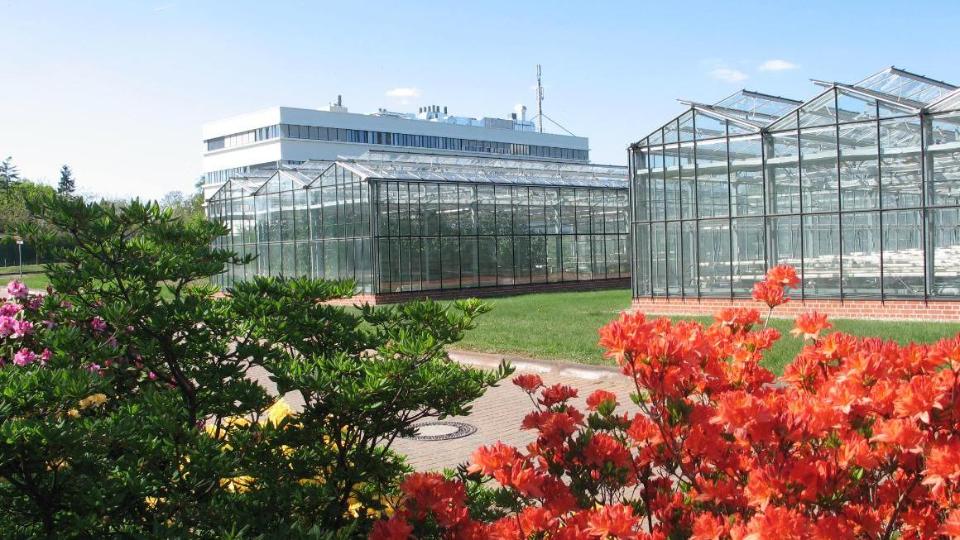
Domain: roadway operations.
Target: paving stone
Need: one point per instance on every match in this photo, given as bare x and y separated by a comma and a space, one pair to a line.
497, 414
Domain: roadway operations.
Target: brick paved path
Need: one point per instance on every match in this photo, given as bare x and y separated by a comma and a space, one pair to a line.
498, 413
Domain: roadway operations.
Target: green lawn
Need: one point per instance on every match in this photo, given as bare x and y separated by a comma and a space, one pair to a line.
33, 275
563, 326
33, 280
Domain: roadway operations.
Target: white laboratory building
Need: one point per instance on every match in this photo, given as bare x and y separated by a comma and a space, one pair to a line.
289, 136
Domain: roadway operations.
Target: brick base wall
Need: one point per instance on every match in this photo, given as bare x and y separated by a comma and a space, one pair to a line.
913, 310
480, 292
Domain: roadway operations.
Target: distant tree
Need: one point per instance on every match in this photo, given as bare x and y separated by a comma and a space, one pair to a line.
68, 183
183, 205
8, 173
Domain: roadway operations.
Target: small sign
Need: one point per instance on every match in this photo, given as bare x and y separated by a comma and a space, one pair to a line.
19, 242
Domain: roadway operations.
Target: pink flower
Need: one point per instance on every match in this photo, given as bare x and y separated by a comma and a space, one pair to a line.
22, 328
8, 325
45, 356
24, 357
9, 310
98, 324
152, 376
17, 289
94, 368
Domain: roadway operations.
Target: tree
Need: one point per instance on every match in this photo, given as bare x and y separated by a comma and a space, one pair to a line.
183, 205
9, 173
67, 183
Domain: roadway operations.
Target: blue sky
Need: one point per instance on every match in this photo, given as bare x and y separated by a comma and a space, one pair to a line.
119, 89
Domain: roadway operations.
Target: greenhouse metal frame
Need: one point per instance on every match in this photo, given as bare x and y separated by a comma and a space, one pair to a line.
858, 188
404, 223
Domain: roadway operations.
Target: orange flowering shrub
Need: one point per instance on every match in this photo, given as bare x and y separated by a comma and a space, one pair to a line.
860, 438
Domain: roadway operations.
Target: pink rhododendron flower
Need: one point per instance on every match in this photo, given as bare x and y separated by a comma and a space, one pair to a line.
98, 324
24, 357
94, 368
9, 310
22, 328
45, 356
152, 376
17, 289
8, 325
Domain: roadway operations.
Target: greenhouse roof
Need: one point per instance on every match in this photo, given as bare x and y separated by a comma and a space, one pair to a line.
896, 90
418, 167
398, 166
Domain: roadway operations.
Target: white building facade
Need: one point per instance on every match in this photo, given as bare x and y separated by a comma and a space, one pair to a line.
290, 136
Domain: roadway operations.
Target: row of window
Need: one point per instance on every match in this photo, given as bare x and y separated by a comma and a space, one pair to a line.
319, 133
896, 253
438, 263
863, 166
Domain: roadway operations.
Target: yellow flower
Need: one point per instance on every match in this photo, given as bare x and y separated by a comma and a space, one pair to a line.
237, 484
93, 400
315, 481
277, 412
236, 421
354, 508
73, 413
152, 502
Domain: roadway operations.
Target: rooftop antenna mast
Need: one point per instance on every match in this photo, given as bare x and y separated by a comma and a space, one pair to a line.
540, 116
539, 100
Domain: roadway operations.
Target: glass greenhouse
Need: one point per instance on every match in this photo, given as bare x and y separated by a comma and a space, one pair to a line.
406, 222
857, 187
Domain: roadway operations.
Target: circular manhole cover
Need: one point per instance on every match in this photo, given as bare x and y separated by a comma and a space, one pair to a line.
442, 431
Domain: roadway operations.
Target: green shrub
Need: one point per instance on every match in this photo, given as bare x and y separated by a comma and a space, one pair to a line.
141, 419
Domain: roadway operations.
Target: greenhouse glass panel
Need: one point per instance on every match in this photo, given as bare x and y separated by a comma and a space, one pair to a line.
749, 264
903, 253
862, 257
715, 262
746, 176
783, 173
945, 233
407, 223
901, 168
818, 169
712, 182
859, 166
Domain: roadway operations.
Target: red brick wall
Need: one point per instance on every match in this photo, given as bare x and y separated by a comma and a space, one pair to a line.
916, 310
479, 292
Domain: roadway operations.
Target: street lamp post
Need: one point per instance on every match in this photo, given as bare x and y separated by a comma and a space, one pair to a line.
20, 256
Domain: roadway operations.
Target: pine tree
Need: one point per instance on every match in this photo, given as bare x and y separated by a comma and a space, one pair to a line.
8, 173
67, 183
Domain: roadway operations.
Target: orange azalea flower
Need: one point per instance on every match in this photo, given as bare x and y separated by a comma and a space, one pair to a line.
395, 528
603, 449
708, 527
918, 398
558, 393
943, 465
598, 397
809, 325
614, 521
951, 527
770, 293
784, 275
528, 381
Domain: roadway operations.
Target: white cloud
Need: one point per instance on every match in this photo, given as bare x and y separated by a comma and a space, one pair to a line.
403, 93
777, 65
728, 75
